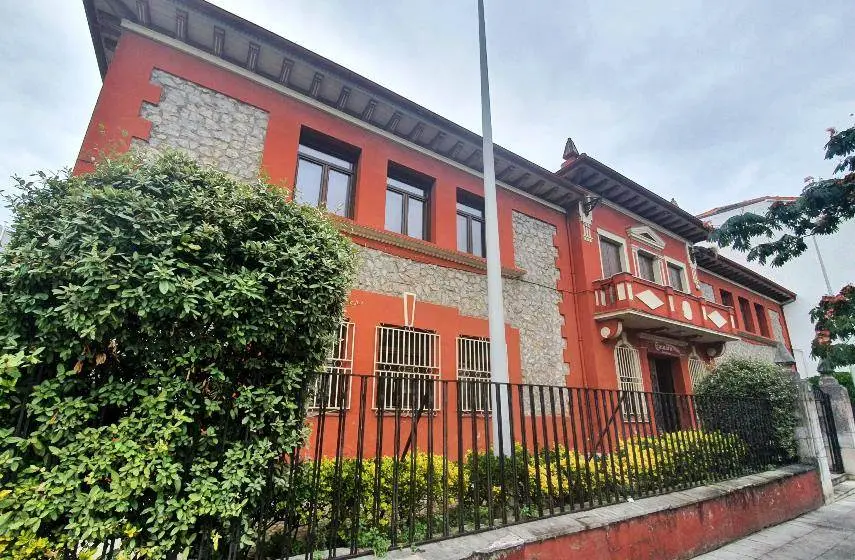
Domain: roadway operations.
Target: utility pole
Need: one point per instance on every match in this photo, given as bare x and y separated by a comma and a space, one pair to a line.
495, 302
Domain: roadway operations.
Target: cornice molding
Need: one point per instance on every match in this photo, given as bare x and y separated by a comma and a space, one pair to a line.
420, 246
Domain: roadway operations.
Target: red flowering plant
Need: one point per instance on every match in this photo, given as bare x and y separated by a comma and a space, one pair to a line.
834, 318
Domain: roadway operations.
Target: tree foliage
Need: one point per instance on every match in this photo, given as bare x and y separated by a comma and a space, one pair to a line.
820, 209
160, 323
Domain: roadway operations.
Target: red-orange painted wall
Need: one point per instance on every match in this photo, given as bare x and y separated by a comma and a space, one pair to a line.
115, 121
687, 531
719, 284
599, 365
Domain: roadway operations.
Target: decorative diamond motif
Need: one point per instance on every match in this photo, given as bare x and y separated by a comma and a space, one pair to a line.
717, 319
687, 310
650, 299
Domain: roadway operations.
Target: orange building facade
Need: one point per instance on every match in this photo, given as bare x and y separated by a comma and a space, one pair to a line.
604, 284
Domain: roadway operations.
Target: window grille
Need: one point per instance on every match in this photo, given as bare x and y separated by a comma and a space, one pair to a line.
473, 371
332, 386
628, 366
698, 369
406, 368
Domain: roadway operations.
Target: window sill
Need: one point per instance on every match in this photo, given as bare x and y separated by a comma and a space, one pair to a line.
419, 246
757, 338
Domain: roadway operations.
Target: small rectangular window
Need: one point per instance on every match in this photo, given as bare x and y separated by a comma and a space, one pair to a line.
325, 173
647, 266
726, 298
407, 198
745, 311
675, 277
708, 292
762, 322
473, 371
470, 223
610, 256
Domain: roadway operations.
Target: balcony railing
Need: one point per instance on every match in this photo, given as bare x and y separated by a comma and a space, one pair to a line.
625, 295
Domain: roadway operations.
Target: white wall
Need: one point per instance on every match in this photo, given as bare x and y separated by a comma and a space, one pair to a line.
803, 276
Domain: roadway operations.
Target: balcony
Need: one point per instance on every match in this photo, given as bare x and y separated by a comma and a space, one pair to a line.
647, 306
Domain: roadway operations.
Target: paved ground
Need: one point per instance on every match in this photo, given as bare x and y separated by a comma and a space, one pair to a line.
827, 534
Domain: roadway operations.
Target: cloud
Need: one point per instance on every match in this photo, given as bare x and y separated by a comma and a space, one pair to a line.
706, 102
49, 87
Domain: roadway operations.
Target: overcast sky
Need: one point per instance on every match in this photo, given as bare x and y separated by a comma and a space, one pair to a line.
706, 102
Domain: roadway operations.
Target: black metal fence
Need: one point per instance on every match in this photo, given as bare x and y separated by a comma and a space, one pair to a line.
828, 429
462, 457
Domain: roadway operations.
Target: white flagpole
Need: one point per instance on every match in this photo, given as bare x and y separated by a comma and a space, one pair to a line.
495, 303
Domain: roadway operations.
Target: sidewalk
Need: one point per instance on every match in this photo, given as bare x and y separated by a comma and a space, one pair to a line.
827, 534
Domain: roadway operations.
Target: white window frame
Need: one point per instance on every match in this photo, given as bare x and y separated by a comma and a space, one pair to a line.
666, 276
339, 363
630, 377
400, 376
474, 352
657, 267
624, 255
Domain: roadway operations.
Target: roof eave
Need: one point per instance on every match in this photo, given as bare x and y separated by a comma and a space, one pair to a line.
95, 33
561, 192
700, 231
770, 289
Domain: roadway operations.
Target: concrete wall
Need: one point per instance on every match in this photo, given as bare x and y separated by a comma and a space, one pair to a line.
670, 527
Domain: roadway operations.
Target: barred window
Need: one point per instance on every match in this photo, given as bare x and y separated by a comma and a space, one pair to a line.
628, 367
698, 369
332, 386
406, 368
473, 371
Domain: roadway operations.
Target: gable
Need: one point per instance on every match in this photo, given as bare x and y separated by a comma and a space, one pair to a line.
645, 234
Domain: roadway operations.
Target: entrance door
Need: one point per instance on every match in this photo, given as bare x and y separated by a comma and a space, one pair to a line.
664, 401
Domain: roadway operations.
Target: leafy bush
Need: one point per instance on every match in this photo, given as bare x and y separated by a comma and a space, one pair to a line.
685, 457
754, 399
160, 323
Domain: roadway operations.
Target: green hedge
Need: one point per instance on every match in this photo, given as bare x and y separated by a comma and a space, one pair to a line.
755, 399
160, 322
